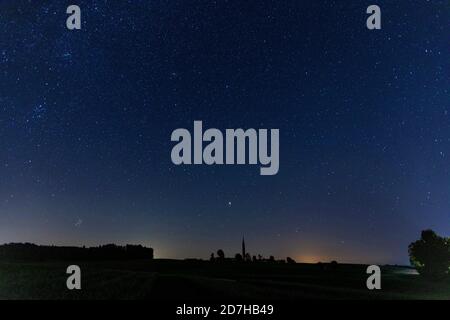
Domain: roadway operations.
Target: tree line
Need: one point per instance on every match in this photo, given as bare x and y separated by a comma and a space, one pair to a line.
220, 256
33, 252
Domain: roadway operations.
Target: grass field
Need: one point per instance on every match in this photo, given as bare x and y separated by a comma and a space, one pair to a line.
204, 281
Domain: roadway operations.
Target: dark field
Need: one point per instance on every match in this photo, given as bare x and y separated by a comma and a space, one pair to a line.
205, 281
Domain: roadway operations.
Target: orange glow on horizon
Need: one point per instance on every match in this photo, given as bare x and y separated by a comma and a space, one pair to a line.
311, 259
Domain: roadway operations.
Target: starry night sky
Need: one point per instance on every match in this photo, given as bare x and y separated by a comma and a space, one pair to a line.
364, 118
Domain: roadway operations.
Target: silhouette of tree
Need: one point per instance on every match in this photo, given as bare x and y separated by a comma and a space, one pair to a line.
430, 255
238, 257
290, 260
254, 259
212, 258
220, 254
248, 258
272, 259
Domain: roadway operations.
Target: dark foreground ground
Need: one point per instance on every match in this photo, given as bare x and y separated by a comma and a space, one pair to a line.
205, 281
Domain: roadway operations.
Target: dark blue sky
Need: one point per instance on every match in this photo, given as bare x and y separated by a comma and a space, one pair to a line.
86, 118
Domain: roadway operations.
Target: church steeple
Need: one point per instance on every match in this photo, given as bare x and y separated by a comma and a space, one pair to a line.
243, 248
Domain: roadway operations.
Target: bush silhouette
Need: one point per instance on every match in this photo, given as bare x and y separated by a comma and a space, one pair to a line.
334, 265
430, 255
220, 254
